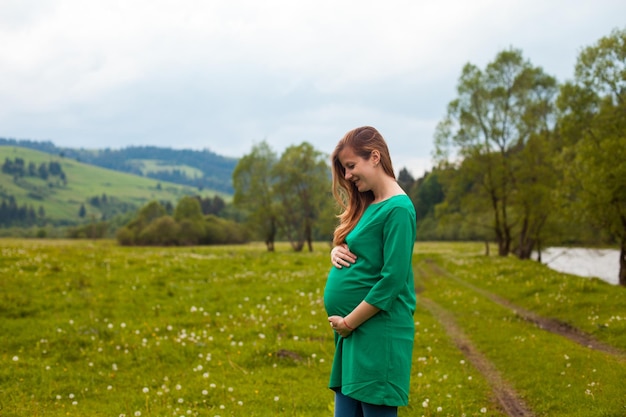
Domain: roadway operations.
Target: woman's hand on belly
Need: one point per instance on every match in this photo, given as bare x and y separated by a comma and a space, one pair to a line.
341, 256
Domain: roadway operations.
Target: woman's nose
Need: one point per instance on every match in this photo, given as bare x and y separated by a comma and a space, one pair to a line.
347, 175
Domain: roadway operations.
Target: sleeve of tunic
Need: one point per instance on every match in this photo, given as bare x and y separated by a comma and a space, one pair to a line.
398, 238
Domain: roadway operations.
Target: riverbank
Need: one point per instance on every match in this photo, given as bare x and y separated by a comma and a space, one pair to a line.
584, 262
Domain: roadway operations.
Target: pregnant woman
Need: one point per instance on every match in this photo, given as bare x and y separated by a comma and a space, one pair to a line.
369, 294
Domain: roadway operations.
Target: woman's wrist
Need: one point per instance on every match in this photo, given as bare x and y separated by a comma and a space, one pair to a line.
345, 323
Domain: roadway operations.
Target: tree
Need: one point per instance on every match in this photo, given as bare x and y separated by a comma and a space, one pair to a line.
302, 189
405, 180
82, 212
188, 208
426, 193
188, 214
592, 121
535, 180
43, 171
253, 184
485, 129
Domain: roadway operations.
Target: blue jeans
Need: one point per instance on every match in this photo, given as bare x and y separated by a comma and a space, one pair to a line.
348, 407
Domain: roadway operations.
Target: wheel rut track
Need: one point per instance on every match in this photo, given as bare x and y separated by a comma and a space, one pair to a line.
507, 399
504, 395
545, 323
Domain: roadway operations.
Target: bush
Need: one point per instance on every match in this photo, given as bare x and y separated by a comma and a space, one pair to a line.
125, 236
162, 231
153, 227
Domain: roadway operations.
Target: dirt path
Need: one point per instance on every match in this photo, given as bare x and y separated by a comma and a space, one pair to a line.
548, 324
505, 396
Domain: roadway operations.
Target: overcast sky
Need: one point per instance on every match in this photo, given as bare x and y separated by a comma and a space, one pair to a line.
224, 75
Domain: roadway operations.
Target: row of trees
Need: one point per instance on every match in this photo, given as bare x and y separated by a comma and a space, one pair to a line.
520, 160
19, 168
287, 197
11, 214
186, 226
525, 161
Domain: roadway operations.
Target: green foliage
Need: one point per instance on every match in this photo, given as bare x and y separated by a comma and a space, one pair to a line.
253, 184
593, 125
153, 226
188, 208
496, 113
290, 196
526, 168
302, 190
94, 230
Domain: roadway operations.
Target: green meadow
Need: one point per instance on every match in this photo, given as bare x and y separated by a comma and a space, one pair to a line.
90, 328
63, 202
152, 165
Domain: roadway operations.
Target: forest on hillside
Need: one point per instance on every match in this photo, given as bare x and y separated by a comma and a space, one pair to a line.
216, 169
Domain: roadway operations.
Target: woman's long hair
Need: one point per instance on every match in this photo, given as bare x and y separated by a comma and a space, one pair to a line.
362, 141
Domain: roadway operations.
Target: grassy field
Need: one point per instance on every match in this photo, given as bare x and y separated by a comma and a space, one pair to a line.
83, 182
91, 328
151, 165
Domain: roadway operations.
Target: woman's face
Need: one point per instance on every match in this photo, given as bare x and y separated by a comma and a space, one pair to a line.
361, 172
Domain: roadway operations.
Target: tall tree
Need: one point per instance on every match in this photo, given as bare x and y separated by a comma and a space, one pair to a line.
302, 186
405, 180
253, 184
426, 193
496, 112
593, 124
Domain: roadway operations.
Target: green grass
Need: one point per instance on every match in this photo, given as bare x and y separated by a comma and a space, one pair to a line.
153, 165
91, 328
62, 202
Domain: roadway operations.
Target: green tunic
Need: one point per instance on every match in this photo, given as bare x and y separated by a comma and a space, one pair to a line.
373, 364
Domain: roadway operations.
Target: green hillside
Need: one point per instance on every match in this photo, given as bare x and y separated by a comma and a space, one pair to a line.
84, 183
194, 168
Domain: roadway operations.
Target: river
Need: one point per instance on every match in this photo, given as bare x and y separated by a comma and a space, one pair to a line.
599, 263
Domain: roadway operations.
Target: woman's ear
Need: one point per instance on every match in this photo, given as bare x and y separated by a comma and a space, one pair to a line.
375, 157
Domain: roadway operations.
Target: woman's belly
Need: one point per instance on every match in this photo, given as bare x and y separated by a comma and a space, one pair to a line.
345, 289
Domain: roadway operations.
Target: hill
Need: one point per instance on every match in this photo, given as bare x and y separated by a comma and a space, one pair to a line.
200, 169
67, 191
